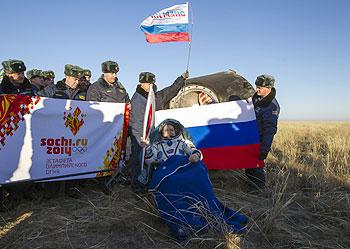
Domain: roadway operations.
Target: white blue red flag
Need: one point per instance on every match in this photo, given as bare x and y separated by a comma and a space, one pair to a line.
167, 25
226, 133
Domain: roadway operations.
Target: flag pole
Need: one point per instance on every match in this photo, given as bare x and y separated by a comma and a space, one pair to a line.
191, 38
189, 50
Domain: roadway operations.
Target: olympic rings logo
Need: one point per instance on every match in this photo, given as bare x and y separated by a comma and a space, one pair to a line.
79, 149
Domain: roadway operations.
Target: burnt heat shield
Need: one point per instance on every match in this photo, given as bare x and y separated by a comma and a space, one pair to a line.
213, 88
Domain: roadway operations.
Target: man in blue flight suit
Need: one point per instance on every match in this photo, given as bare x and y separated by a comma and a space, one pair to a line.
267, 111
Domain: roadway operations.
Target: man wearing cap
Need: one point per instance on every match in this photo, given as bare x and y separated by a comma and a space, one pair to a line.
49, 77
87, 74
65, 89
35, 78
107, 88
14, 81
84, 82
68, 87
267, 111
138, 105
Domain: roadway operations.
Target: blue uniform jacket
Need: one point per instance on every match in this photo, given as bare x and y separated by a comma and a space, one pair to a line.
267, 111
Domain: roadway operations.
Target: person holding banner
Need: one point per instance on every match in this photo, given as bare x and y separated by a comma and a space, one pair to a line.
84, 82
65, 89
49, 77
267, 111
36, 78
138, 103
14, 81
68, 87
108, 88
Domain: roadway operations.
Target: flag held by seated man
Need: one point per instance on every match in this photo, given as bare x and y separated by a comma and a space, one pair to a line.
167, 25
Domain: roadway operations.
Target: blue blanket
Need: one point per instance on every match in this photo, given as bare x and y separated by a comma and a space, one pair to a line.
186, 201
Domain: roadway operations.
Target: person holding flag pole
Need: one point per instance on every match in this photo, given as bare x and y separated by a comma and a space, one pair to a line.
148, 126
141, 123
167, 25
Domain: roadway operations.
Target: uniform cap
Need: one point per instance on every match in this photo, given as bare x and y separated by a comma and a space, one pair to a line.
13, 66
265, 80
147, 77
73, 71
87, 72
48, 74
110, 67
34, 73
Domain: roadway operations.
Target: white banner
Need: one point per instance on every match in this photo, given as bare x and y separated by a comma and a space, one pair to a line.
45, 139
177, 14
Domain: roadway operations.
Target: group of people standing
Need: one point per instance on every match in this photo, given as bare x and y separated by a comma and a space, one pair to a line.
76, 86
179, 178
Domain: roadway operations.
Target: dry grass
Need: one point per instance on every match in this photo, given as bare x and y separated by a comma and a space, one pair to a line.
307, 204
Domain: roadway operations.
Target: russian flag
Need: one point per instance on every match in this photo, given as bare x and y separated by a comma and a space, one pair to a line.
167, 25
226, 133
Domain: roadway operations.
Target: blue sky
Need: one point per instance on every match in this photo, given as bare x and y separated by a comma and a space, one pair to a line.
303, 43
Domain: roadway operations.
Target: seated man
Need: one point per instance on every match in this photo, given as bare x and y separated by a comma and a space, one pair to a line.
147, 81
180, 183
172, 143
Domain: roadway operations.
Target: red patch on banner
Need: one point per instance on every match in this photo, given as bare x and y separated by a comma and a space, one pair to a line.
13, 107
73, 122
117, 150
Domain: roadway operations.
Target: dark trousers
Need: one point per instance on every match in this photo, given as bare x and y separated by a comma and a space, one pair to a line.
135, 159
257, 176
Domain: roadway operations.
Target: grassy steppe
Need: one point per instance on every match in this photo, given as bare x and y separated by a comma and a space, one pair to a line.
306, 204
